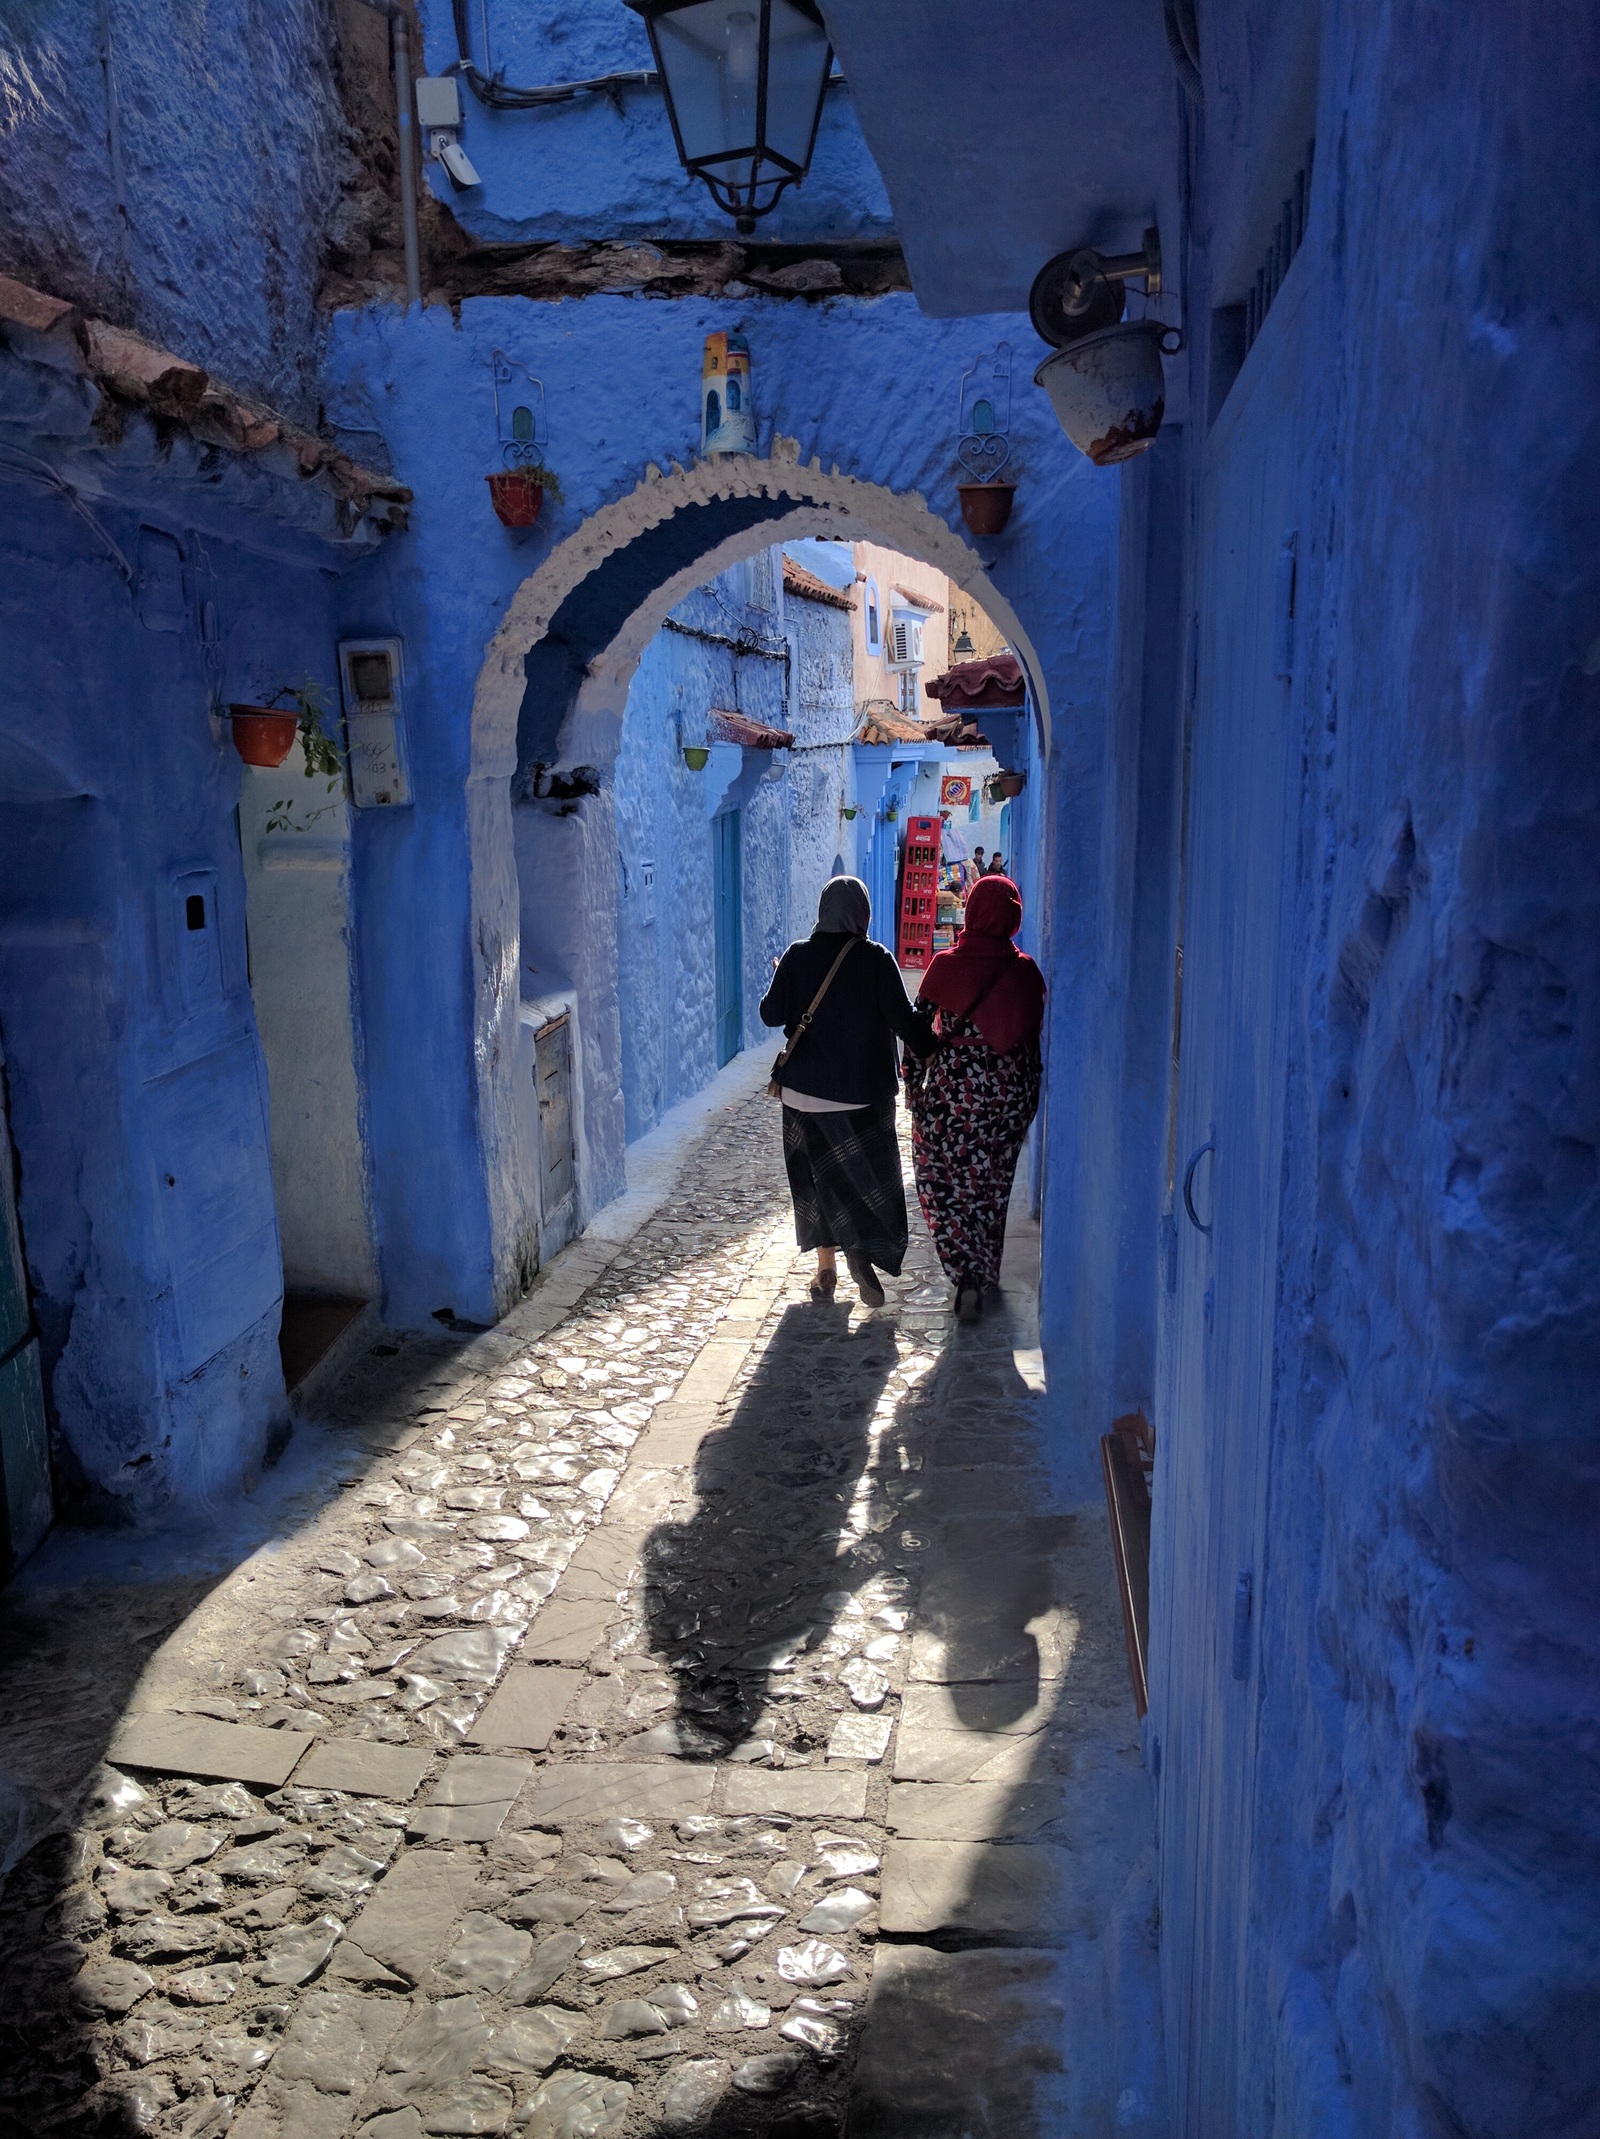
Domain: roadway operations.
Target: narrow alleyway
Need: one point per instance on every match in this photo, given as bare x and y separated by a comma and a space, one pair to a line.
691, 1716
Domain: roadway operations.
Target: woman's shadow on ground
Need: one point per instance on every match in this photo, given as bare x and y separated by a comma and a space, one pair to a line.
733, 1595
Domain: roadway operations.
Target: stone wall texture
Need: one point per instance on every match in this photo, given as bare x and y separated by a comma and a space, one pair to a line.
1389, 1817
172, 167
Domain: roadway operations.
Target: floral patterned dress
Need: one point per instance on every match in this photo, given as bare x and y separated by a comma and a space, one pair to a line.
968, 1122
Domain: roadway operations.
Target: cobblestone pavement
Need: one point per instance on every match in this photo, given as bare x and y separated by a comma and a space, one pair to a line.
700, 1721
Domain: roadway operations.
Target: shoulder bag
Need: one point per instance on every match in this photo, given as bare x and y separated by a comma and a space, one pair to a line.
775, 1088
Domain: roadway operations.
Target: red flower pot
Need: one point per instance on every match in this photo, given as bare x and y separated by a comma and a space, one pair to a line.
517, 497
262, 735
986, 507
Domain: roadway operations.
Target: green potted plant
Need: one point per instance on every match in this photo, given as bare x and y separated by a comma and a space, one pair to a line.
265, 734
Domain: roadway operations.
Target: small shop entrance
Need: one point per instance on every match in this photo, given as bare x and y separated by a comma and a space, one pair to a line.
728, 897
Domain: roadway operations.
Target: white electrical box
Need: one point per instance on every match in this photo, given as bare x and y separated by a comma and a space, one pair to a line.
438, 101
372, 680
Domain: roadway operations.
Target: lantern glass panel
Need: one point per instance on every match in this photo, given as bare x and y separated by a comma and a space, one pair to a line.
797, 66
711, 57
745, 81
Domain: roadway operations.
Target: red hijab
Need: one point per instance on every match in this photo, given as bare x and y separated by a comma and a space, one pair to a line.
986, 963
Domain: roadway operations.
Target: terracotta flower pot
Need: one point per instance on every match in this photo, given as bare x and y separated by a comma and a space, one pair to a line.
1010, 784
262, 735
986, 507
517, 497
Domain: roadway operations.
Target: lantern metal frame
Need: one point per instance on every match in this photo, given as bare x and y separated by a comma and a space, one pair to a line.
772, 173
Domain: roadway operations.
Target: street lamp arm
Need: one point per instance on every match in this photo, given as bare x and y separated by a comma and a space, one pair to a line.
499, 95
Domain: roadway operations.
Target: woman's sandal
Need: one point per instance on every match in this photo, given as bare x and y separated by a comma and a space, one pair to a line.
822, 1284
866, 1280
969, 1302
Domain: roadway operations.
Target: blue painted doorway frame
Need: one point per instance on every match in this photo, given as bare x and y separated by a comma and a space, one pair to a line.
727, 876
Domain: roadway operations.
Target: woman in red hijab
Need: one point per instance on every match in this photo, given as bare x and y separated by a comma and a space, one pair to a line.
981, 1089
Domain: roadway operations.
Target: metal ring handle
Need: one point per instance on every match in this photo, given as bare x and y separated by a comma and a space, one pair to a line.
1188, 1187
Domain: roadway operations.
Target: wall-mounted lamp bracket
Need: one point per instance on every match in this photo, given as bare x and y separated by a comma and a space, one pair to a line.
1082, 291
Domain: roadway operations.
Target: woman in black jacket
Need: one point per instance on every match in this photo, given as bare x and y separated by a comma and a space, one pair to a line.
839, 1142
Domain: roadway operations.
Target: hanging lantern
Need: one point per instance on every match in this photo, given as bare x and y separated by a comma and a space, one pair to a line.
744, 82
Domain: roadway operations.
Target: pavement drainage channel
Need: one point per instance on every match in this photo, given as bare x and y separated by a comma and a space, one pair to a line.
571, 1767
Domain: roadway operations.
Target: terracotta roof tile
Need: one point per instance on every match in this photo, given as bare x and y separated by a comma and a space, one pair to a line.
797, 580
729, 727
919, 601
135, 372
980, 685
879, 723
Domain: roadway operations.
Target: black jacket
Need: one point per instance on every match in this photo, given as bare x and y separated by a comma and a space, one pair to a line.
848, 1053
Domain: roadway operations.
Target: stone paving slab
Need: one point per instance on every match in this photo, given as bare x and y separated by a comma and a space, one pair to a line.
959, 2045
480, 1779
527, 1706
987, 1490
581, 1790
195, 1745
713, 1373
960, 1756
330, 2052
601, 1568
975, 1812
365, 1769
406, 1925
1007, 1891
985, 1705
996, 1647
812, 1792
568, 1631
1018, 1448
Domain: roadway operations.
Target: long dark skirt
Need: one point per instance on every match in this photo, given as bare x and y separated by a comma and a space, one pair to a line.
844, 1176
967, 1127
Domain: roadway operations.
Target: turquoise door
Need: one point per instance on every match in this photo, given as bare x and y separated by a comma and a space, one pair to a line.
727, 888
24, 1450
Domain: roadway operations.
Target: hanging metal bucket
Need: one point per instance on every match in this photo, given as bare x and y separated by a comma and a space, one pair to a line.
1108, 390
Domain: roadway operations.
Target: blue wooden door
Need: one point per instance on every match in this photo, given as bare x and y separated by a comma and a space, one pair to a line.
1215, 1434
25, 1503
727, 878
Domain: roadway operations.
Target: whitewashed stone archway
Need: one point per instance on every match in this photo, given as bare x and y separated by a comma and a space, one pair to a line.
823, 502
525, 864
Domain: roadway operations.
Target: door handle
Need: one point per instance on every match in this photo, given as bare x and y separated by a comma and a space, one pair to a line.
1188, 1186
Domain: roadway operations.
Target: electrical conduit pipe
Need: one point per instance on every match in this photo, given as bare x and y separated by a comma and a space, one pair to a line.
406, 120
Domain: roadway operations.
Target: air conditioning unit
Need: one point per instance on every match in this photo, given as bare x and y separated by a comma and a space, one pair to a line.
903, 644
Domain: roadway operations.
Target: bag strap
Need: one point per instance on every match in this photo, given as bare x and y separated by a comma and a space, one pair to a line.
799, 1032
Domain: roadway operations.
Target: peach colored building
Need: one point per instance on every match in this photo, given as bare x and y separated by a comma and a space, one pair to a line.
901, 628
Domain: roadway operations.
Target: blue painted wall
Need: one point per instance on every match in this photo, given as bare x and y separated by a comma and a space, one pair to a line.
138, 1093
1379, 1840
604, 167
172, 167
868, 386
665, 934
